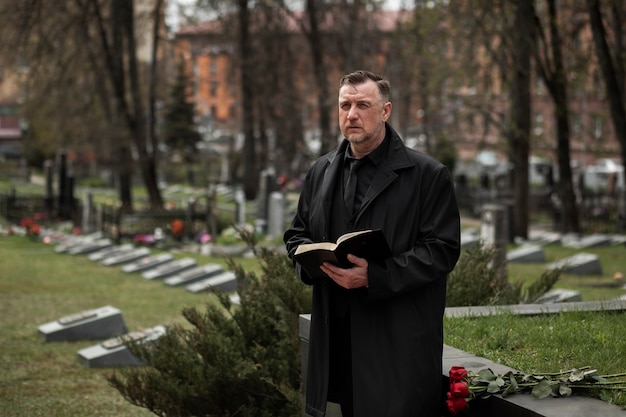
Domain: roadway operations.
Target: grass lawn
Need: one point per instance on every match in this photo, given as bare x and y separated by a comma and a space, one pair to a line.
45, 379
38, 285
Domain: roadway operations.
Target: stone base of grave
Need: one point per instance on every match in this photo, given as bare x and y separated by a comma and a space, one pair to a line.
579, 264
193, 275
114, 353
99, 323
226, 282
170, 269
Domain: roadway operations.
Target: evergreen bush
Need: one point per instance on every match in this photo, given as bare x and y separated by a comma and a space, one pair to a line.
231, 359
476, 281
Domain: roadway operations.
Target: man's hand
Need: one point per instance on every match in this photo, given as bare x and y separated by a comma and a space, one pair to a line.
349, 278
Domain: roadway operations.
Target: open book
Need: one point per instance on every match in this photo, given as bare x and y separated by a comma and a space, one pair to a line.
368, 244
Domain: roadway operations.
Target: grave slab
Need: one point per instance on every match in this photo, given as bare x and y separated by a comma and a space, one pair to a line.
99, 323
226, 281
70, 241
149, 262
589, 241
559, 295
579, 264
90, 247
543, 237
113, 352
124, 258
526, 254
110, 251
170, 269
193, 275
469, 239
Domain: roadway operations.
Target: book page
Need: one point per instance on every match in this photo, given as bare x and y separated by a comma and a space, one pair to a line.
314, 246
350, 235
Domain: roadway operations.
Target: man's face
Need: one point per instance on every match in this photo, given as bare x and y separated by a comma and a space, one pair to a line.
362, 114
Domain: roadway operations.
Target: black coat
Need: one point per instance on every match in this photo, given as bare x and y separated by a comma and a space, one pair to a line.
397, 322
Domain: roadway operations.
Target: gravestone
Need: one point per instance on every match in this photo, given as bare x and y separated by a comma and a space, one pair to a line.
469, 239
193, 275
99, 323
589, 241
113, 352
276, 214
494, 234
240, 204
149, 262
110, 251
559, 296
543, 237
90, 247
579, 264
170, 269
226, 281
70, 241
124, 258
526, 254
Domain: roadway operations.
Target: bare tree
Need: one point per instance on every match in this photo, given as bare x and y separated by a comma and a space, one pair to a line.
523, 34
549, 60
97, 48
611, 59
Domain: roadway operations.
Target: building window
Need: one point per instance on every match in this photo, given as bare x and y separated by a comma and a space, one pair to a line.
213, 88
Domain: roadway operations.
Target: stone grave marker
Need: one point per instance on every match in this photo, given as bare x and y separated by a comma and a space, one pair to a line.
559, 296
124, 258
526, 254
226, 281
110, 251
170, 268
579, 264
148, 262
470, 238
589, 241
99, 323
543, 237
113, 352
70, 240
193, 275
90, 247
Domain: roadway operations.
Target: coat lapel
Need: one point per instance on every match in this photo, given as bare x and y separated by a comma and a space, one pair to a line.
395, 159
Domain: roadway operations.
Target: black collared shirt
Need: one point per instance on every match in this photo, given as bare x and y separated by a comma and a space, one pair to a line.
366, 171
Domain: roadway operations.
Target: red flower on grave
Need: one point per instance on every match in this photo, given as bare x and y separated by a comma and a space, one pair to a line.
32, 228
178, 227
466, 386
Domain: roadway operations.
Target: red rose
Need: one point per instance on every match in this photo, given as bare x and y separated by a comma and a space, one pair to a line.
459, 390
456, 405
457, 374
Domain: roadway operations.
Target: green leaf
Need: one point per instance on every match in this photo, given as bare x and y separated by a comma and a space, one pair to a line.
493, 387
486, 375
499, 381
565, 391
576, 375
542, 389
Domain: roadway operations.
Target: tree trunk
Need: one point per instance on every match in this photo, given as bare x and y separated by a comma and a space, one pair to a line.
556, 82
614, 86
520, 113
321, 79
250, 175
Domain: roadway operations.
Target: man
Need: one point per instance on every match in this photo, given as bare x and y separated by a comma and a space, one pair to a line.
377, 327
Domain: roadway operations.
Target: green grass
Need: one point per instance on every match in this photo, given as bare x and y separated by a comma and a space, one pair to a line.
38, 285
552, 343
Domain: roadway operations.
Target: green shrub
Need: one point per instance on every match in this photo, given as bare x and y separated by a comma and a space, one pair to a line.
477, 281
230, 359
